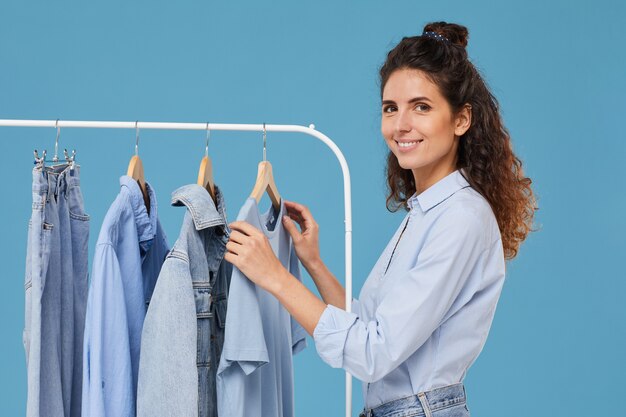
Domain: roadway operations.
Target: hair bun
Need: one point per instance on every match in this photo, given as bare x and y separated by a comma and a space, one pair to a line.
456, 34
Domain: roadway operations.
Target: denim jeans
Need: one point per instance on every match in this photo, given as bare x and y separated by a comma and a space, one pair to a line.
56, 293
448, 401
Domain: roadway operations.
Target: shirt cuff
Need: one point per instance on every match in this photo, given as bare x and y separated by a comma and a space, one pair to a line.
331, 332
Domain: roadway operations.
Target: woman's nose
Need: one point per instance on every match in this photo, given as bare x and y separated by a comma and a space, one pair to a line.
403, 122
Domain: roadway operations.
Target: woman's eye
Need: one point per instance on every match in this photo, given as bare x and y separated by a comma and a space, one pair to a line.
389, 109
422, 107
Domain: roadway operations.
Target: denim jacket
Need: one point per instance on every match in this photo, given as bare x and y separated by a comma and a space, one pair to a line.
183, 332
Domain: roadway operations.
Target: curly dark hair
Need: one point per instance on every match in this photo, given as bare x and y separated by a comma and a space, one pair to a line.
485, 152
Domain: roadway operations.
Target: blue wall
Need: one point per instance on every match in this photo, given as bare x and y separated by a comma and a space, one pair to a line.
558, 341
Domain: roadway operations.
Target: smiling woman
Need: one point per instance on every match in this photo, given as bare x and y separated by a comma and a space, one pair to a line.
431, 90
425, 310
419, 127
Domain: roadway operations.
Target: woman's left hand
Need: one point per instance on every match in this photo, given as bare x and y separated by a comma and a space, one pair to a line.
250, 251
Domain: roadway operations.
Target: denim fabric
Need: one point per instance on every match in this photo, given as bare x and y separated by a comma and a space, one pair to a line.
425, 310
448, 401
56, 293
129, 254
255, 374
183, 332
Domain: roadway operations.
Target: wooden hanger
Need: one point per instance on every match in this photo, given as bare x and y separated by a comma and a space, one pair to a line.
265, 179
265, 182
205, 173
135, 171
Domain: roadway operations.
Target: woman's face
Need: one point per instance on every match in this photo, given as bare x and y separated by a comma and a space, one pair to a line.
419, 127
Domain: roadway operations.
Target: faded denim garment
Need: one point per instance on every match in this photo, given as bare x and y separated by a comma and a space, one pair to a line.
448, 401
129, 253
183, 333
56, 292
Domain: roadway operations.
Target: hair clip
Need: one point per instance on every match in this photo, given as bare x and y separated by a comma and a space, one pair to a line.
436, 36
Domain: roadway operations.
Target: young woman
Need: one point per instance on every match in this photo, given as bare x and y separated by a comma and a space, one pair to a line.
424, 313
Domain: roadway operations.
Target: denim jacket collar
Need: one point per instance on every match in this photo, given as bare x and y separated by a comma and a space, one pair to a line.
146, 223
439, 191
201, 205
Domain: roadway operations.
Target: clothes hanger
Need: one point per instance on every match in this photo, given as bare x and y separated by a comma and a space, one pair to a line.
135, 170
205, 173
69, 160
265, 179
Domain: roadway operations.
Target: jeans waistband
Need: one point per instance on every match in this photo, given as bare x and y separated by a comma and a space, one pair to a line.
55, 179
422, 404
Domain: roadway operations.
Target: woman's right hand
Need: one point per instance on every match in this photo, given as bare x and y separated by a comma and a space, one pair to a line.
305, 241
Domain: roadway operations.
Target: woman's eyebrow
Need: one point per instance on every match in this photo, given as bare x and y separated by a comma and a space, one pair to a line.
411, 101
420, 98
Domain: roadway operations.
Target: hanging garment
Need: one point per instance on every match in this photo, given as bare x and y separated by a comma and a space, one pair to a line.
255, 375
183, 332
129, 253
56, 292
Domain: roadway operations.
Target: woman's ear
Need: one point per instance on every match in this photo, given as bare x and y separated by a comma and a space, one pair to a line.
463, 120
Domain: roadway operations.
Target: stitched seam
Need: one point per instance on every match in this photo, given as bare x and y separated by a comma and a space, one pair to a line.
83, 217
178, 255
448, 403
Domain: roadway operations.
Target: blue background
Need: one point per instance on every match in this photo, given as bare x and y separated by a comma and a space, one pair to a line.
558, 340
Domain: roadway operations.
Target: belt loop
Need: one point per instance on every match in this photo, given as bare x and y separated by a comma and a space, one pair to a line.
424, 401
51, 187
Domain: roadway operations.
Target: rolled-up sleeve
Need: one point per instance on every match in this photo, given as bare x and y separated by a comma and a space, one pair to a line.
412, 307
331, 332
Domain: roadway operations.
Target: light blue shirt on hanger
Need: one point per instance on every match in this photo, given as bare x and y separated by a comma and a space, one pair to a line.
423, 315
255, 376
129, 254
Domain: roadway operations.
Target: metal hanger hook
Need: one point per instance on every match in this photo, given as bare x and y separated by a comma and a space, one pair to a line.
264, 143
56, 142
208, 135
136, 138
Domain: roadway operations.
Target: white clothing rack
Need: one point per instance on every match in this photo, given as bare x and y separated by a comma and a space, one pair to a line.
239, 127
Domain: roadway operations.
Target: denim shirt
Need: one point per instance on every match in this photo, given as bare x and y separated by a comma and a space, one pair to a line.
129, 253
183, 332
425, 310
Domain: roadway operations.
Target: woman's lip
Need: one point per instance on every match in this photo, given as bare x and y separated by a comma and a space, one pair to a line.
408, 148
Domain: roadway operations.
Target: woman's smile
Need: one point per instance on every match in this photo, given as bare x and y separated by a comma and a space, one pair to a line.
408, 145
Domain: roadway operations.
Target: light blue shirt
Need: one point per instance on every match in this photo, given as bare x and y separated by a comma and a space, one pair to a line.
255, 374
129, 253
422, 323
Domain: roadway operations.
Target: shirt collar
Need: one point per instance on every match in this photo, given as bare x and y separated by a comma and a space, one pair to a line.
201, 205
146, 223
439, 191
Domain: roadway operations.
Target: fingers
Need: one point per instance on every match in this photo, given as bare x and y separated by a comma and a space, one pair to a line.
300, 214
240, 232
291, 228
244, 228
237, 237
232, 248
